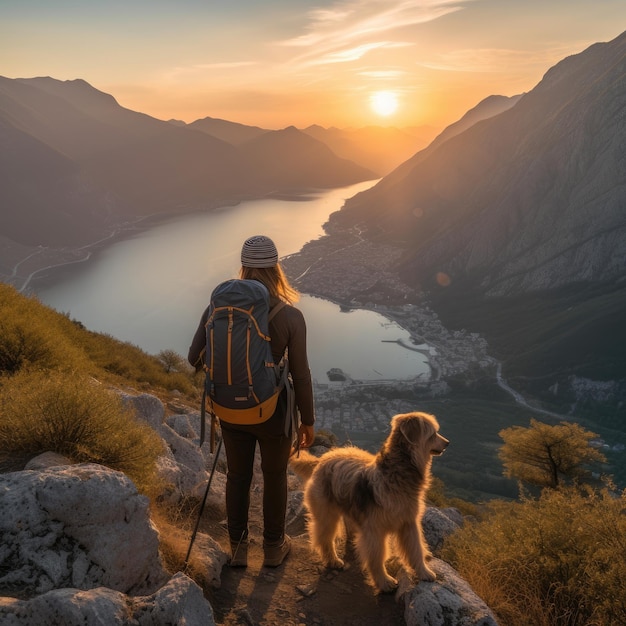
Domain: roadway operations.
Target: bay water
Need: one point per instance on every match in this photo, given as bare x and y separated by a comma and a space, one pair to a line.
150, 289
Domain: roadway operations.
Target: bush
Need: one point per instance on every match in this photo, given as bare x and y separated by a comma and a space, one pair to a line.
77, 417
556, 561
33, 335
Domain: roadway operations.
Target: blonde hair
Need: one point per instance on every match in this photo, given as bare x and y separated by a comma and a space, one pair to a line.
274, 279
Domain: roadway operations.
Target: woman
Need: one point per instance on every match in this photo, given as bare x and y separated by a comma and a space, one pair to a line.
259, 261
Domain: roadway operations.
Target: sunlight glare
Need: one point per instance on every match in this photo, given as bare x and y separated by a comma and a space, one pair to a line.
384, 103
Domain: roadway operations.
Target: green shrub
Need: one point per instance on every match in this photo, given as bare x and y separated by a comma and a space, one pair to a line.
34, 335
556, 561
77, 417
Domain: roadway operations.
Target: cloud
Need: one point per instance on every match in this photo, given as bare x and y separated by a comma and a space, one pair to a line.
355, 53
353, 28
490, 60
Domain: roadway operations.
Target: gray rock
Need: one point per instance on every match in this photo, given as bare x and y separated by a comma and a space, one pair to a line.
180, 601
449, 601
46, 460
146, 407
185, 425
79, 526
439, 524
184, 465
209, 554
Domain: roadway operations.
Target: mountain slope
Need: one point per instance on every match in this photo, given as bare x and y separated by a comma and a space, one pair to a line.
489, 107
379, 149
230, 132
71, 116
530, 199
75, 210
516, 227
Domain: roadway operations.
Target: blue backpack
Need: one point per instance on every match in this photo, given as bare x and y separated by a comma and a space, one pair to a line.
242, 382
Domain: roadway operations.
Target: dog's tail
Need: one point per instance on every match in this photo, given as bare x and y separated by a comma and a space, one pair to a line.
303, 464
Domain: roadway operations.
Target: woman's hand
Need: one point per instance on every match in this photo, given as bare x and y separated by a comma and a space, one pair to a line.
306, 435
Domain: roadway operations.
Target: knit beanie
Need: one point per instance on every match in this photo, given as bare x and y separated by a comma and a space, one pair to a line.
259, 251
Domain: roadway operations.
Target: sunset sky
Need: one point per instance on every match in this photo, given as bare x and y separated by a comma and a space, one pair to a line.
274, 63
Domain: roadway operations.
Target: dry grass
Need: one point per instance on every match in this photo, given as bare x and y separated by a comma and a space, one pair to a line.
554, 561
175, 527
77, 417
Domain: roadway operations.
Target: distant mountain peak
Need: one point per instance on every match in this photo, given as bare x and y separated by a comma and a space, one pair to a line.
72, 90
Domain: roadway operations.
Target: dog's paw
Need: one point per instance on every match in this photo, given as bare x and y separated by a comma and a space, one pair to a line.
426, 574
335, 563
387, 584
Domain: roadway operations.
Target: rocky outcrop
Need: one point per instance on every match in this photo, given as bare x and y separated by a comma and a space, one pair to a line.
75, 526
440, 523
449, 601
78, 547
179, 601
184, 465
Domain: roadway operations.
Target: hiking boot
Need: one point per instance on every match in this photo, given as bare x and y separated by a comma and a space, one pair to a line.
239, 552
275, 555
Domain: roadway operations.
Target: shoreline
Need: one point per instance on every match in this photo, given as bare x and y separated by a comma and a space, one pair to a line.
55, 259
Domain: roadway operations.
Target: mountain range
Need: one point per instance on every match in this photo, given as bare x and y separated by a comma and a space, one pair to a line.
73, 163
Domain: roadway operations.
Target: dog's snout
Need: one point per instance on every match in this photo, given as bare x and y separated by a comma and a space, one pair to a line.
441, 443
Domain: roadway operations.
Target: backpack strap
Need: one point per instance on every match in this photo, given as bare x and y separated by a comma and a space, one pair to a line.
275, 310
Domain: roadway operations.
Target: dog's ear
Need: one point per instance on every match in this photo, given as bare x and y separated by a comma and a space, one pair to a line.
412, 427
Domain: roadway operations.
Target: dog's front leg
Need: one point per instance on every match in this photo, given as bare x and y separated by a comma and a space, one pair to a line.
413, 546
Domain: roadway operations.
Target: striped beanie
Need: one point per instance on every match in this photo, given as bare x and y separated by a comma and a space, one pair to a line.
259, 251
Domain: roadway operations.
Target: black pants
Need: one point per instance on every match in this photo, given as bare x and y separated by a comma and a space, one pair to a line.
275, 446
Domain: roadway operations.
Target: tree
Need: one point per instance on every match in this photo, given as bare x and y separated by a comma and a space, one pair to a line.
172, 361
547, 456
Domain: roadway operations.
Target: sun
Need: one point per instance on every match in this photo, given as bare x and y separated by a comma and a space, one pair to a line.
384, 103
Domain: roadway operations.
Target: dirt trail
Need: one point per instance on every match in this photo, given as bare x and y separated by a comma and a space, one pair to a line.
300, 592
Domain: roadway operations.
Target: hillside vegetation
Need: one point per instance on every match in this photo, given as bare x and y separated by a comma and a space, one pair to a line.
34, 336
55, 391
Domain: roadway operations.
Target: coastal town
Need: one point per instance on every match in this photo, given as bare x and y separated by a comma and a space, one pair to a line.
345, 404
356, 274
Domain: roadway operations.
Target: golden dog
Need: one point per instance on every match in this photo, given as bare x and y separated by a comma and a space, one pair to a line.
376, 496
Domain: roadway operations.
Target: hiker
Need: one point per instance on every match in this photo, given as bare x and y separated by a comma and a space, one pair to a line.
287, 330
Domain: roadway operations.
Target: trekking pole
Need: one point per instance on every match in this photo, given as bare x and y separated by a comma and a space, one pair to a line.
204, 499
